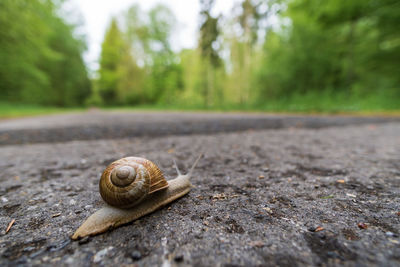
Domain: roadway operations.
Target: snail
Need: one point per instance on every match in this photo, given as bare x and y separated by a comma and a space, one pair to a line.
133, 187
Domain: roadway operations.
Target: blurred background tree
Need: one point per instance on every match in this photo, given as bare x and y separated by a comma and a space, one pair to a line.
265, 54
336, 50
210, 59
41, 60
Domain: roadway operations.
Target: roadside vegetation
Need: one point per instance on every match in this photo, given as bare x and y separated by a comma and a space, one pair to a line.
268, 55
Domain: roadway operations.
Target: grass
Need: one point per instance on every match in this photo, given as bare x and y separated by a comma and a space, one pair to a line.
312, 103
8, 110
321, 103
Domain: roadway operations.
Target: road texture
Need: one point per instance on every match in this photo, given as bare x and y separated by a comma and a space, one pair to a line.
311, 191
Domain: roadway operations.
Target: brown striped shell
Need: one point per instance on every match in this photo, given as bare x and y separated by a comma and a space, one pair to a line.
125, 182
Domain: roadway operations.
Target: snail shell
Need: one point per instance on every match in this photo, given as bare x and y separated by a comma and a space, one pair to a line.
127, 181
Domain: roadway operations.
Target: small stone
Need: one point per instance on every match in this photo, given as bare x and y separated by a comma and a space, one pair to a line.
340, 181
268, 210
312, 228
72, 202
178, 258
315, 229
261, 177
362, 225
257, 244
135, 255
69, 260
55, 259
101, 254
88, 207
22, 260
4, 199
332, 254
198, 234
390, 234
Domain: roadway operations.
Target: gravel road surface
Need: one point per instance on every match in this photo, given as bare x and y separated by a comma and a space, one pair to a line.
310, 191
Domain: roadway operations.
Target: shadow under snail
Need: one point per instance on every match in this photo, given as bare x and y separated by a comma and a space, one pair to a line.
132, 187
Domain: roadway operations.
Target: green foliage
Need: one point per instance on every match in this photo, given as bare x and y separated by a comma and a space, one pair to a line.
117, 68
210, 59
40, 58
244, 51
338, 47
144, 42
296, 55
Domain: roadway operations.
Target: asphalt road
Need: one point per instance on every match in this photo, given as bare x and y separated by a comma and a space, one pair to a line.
270, 190
97, 124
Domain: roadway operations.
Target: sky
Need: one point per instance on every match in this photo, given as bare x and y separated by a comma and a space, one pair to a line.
96, 16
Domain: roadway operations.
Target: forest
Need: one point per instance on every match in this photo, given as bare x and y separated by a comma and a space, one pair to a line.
275, 55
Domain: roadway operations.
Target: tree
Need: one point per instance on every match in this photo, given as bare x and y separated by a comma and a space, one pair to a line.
208, 44
120, 79
337, 48
242, 42
149, 36
111, 53
41, 58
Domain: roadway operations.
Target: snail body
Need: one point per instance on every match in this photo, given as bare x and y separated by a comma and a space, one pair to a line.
147, 190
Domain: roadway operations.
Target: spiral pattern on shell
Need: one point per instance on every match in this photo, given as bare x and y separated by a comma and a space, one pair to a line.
127, 181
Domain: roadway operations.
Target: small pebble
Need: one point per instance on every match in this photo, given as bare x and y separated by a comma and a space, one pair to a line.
69, 260
332, 254
178, 258
135, 255
72, 202
390, 234
257, 244
22, 260
198, 235
312, 228
101, 254
315, 229
362, 225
